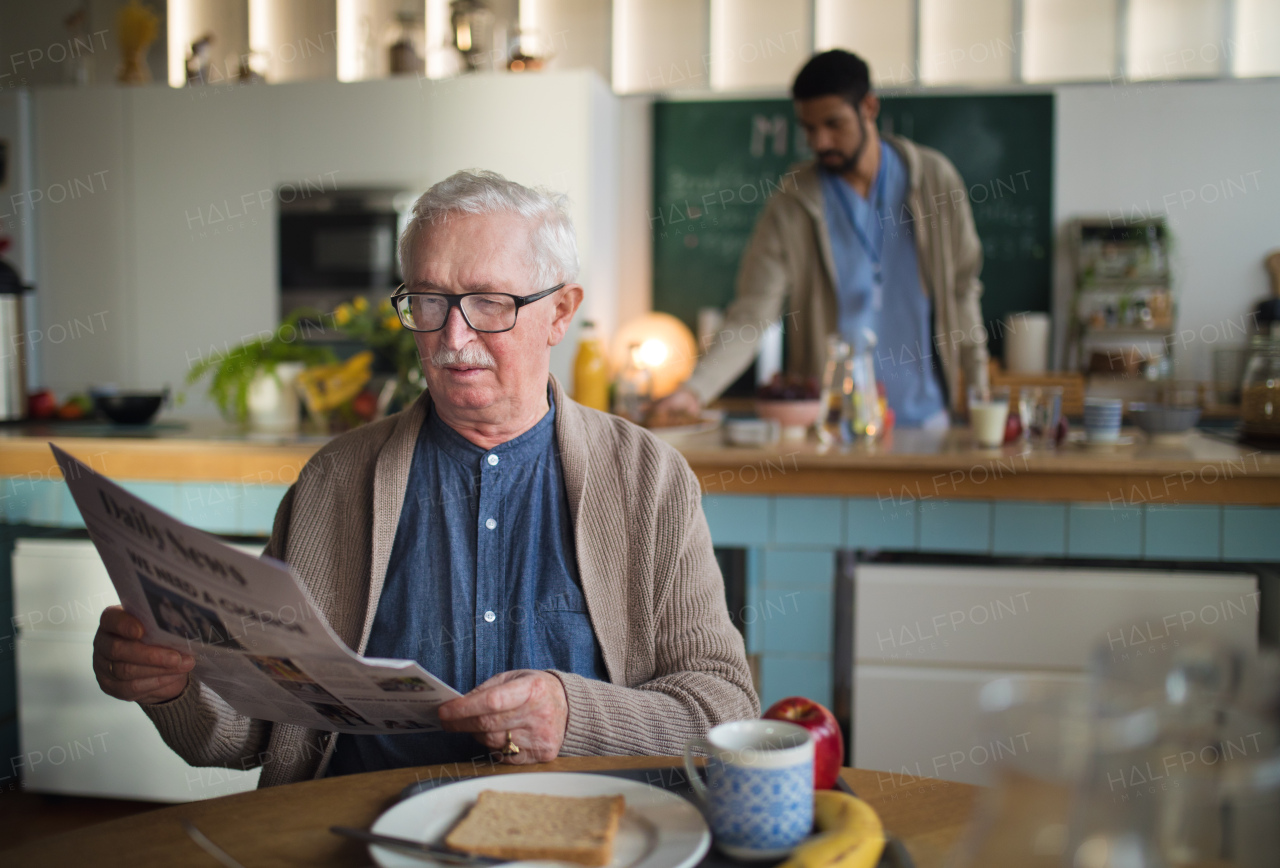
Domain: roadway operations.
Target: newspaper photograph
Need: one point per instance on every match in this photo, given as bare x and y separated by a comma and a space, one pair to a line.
257, 639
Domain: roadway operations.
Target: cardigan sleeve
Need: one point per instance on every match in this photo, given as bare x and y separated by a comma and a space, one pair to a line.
701, 677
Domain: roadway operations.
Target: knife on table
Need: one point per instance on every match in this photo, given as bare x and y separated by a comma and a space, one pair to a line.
422, 848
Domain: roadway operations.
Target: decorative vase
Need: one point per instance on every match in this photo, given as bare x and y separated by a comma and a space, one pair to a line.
273, 399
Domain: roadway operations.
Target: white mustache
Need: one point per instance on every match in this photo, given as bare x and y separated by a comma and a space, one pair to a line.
470, 356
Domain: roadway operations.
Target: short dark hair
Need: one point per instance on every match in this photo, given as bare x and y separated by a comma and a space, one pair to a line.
833, 73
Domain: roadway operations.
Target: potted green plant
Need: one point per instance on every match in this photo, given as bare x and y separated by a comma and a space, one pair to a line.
245, 378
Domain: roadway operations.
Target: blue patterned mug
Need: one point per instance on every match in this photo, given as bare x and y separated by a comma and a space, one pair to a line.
758, 797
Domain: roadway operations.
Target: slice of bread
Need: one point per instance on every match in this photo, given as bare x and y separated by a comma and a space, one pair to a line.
533, 826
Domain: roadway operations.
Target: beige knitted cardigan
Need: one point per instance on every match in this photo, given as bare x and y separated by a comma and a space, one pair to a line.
653, 589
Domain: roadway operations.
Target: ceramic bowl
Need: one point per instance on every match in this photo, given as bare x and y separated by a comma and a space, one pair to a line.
1161, 419
129, 408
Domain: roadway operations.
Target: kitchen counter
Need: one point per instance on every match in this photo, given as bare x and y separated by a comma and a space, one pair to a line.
1200, 468
1196, 468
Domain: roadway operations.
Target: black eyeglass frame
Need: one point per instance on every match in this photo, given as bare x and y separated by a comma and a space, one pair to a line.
456, 301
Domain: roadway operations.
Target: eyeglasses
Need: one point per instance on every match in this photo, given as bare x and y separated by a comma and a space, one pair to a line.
483, 311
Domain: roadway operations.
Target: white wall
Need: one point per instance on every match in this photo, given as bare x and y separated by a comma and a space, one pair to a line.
1184, 150
176, 281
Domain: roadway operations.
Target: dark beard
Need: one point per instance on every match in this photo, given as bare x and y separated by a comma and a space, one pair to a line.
849, 163
844, 167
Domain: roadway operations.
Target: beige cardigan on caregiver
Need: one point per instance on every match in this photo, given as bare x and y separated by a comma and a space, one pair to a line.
653, 589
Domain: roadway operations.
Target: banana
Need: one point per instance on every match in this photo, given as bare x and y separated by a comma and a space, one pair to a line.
852, 836
327, 386
835, 811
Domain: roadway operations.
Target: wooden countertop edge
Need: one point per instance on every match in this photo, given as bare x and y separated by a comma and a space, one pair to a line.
1115, 478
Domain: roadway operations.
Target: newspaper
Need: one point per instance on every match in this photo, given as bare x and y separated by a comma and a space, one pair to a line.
257, 638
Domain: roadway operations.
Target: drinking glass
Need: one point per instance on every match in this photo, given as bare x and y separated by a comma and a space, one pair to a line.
988, 412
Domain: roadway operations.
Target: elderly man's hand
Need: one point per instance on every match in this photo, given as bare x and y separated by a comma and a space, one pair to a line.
529, 704
132, 670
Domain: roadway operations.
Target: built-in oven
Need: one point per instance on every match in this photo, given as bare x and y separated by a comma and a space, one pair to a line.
337, 244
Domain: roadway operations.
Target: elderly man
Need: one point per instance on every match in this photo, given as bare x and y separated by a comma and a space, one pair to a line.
549, 561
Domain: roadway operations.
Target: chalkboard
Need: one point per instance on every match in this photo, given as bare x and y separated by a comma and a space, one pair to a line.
716, 162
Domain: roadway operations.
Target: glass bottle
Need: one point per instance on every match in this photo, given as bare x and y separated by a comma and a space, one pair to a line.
591, 370
1260, 389
832, 391
634, 388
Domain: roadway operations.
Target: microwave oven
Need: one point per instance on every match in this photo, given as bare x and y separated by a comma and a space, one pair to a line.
338, 244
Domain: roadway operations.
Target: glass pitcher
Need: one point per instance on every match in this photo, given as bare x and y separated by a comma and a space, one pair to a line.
861, 417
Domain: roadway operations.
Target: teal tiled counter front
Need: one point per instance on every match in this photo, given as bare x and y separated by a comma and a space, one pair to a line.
792, 543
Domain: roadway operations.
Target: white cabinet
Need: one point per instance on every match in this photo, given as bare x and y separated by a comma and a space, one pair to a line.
926, 638
76, 740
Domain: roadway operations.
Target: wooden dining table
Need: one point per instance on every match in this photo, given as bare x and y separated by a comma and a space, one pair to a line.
289, 825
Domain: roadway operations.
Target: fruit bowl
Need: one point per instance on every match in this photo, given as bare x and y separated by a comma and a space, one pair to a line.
793, 416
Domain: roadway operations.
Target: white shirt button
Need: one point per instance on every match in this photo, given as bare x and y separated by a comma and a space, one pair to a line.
489, 616
491, 524
493, 459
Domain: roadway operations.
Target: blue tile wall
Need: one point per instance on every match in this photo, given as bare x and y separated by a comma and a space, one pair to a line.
1030, 529
1102, 531
798, 621
737, 521
1177, 532
1251, 533
44, 502
258, 511
955, 526
808, 521
785, 568
875, 523
783, 676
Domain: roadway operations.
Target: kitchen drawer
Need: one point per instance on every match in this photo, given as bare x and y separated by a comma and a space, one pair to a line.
916, 721
1033, 618
62, 586
76, 740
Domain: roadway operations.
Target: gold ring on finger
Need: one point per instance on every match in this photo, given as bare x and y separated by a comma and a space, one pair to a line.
111, 668
511, 748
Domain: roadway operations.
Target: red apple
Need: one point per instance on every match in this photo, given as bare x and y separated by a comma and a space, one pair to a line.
828, 742
42, 405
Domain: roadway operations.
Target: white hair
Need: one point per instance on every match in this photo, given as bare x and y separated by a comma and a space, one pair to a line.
554, 255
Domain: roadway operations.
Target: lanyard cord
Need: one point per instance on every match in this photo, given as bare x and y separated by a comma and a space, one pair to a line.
875, 251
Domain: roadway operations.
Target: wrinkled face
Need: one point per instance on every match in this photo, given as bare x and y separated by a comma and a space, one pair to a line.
475, 373
835, 132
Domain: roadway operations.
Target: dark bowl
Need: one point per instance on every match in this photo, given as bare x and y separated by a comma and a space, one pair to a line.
130, 408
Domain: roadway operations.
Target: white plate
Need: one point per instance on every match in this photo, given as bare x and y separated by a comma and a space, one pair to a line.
658, 830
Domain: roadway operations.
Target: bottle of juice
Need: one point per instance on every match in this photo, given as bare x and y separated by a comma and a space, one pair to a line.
591, 370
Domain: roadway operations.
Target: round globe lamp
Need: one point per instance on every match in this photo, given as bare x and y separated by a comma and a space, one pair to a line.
666, 348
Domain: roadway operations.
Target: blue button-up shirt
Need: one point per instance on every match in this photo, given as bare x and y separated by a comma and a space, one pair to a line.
878, 287
483, 579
